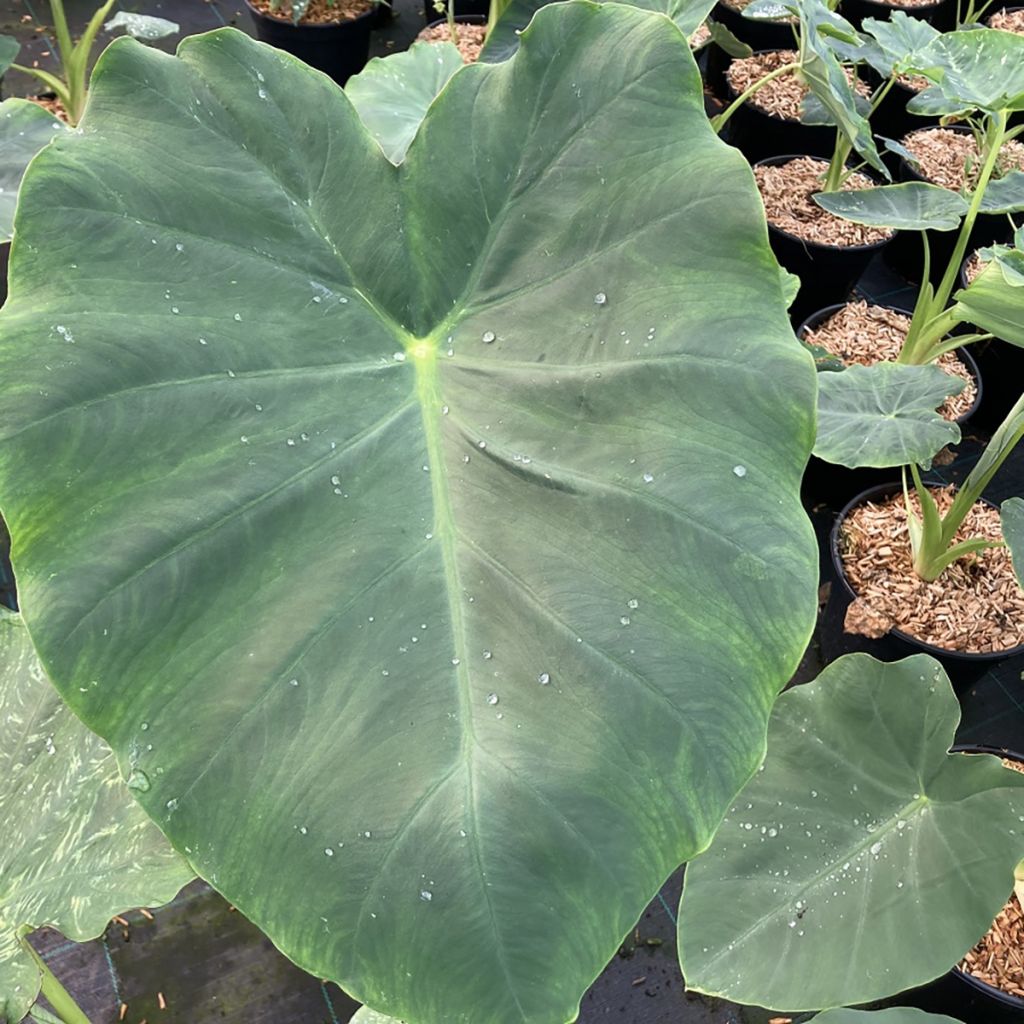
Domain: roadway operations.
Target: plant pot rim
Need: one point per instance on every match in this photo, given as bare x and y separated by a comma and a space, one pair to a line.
312, 26
964, 356
989, 991
870, 247
460, 19
964, 657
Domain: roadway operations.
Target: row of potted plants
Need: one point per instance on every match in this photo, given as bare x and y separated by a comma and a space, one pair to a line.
520, 435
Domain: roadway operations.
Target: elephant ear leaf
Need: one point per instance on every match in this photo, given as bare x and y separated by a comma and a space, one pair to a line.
392, 93
25, 127
77, 848
843, 845
1011, 514
372, 494
894, 1015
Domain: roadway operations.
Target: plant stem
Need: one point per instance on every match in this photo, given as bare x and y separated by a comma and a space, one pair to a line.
718, 122
56, 994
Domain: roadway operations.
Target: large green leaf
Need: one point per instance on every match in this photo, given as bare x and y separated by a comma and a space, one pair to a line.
910, 206
894, 1015
976, 69
25, 127
897, 40
884, 415
77, 848
863, 859
503, 38
994, 300
392, 93
378, 493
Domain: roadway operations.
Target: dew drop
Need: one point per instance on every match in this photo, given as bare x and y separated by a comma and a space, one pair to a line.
600, 299
544, 678
426, 895
740, 471
492, 699
488, 337
138, 780
648, 478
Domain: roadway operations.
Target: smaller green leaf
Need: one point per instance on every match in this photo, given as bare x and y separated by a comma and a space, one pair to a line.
727, 41
863, 859
25, 128
9, 47
901, 151
897, 41
1005, 194
392, 94
894, 1015
993, 300
911, 206
142, 26
933, 102
1011, 514
884, 415
769, 10
976, 69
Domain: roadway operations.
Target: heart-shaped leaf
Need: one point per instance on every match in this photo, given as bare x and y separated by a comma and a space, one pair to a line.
25, 127
884, 415
1011, 515
976, 69
898, 41
1004, 195
77, 848
910, 206
378, 492
392, 93
863, 859
894, 1015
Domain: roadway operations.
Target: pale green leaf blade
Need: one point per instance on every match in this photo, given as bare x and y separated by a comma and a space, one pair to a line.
1011, 515
910, 206
1005, 194
894, 1015
863, 860
25, 127
392, 93
975, 69
994, 300
899, 39
884, 415
503, 38
77, 848
142, 26
336, 649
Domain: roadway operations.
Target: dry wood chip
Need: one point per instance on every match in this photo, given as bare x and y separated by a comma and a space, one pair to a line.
786, 191
1008, 21
782, 96
998, 960
470, 39
951, 159
319, 12
866, 334
975, 606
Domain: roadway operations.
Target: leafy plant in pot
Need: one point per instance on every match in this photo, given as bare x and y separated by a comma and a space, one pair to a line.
332, 36
68, 85
864, 859
375, 693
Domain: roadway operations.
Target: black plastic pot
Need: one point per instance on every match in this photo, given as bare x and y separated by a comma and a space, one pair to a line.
463, 9
832, 486
1002, 368
942, 14
905, 257
339, 50
755, 32
827, 272
961, 995
382, 15
962, 669
759, 135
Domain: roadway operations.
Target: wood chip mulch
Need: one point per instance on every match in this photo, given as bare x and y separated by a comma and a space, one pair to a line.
470, 39
782, 96
700, 37
998, 960
975, 265
975, 606
786, 191
867, 334
53, 105
951, 159
1008, 21
319, 12
915, 83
